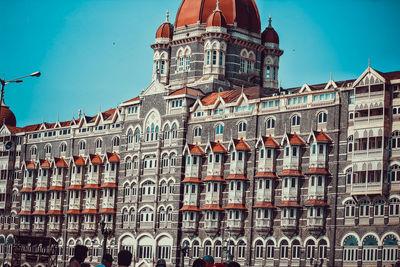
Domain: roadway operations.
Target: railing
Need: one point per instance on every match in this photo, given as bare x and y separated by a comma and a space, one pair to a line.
190, 200
25, 226
367, 188
55, 205
289, 194
315, 222
107, 204
39, 226
75, 205
189, 225
27, 184
41, 182
209, 224
40, 205
91, 204
264, 197
263, 222
54, 226
234, 224
89, 226
149, 171
26, 206
289, 222
110, 177
57, 182
213, 169
73, 226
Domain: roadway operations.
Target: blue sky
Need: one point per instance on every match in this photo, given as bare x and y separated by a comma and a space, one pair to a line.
97, 52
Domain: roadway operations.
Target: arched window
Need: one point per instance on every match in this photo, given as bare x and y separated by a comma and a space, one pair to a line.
270, 124
82, 145
350, 248
394, 207
125, 218
161, 215
350, 208
33, 151
99, 143
350, 144
310, 247
197, 132
379, 207
390, 247
207, 248
395, 139
370, 249
127, 192
259, 249
130, 136
63, 147
115, 141
242, 127
295, 120
395, 173
146, 215
364, 208
166, 132
196, 249
132, 216
322, 117
322, 249
48, 149
169, 214
284, 249
137, 135
219, 129
218, 249
174, 131
349, 176
296, 249
270, 249
147, 134
251, 62
268, 73
241, 249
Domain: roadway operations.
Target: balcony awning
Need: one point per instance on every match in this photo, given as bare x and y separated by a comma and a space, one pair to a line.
55, 212
270, 142
95, 159
61, 163
30, 165
322, 171
293, 204
212, 207
91, 186
107, 211
218, 147
24, 212
45, 163
90, 211
266, 175
77, 212
109, 185
241, 145
41, 189
265, 205
237, 177
291, 173
26, 190
235, 206
113, 157
316, 202
191, 180
39, 212
214, 178
190, 208
79, 161
195, 150
75, 187
56, 188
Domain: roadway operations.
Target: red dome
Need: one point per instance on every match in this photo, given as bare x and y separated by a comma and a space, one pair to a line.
269, 35
7, 117
243, 12
166, 30
216, 19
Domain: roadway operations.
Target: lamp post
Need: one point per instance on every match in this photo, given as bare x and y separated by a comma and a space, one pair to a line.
229, 256
106, 233
16, 80
184, 250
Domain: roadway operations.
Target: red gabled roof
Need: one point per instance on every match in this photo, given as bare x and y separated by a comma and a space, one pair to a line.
190, 208
79, 161
322, 137
266, 175
291, 173
214, 178
90, 211
31, 128
95, 159
133, 99
270, 141
75, 187
289, 204
14, 130
236, 177
74, 212
217, 147
39, 212
233, 95
45, 163
211, 207
107, 211
91, 186
56, 188
235, 206
30, 165
241, 145
188, 91
195, 150
266, 205
393, 75
191, 180
61, 163
113, 157
55, 212
294, 139
109, 185
316, 202
322, 171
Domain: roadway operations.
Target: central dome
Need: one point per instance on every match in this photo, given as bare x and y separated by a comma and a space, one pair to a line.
243, 12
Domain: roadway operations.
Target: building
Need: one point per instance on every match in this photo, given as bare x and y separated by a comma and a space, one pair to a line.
214, 154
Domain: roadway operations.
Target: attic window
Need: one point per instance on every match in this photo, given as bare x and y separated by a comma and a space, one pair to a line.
132, 110
176, 103
297, 100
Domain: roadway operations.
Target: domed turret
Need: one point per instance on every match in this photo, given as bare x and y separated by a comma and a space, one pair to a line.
269, 35
165, 31
240, 13
7, 117
216, 21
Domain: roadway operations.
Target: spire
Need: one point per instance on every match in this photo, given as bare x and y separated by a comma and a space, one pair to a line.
270, 22
369, 62
167, 16
217, 8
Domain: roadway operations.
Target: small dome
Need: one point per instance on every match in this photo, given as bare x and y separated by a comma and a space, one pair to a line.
216, 19
269, 35
166, 30
7, 117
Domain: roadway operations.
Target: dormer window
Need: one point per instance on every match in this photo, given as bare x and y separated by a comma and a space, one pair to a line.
176, 103
133, 109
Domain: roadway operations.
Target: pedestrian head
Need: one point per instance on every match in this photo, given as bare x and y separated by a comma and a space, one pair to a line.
107, 260
124, 258
209, 260
80, 253
233, 264
161, 263
199, 263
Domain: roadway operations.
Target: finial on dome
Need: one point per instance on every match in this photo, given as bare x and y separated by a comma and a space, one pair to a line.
217, 8
270, 21
331, 76
167, 16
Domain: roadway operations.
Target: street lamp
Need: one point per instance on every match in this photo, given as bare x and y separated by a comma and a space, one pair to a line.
16, 80
184, 250
106, 233
229, 256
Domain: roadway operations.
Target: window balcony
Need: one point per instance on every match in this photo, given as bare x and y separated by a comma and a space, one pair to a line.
264, 196
234, 225
368, 154
367, 189
212, 198
149, 171
41, 182
27, 183
110, 177
73, 227
25, 226
54, 227
289, 226
146, 225
89, 227
55, 205
190, 200
291, 163
74, 204
315, 225
39, 227
2, 204
76, 179
394, 219
189, 226
215, 170
40, 205
92, 178
26, 205
290, 194
91, 204
263, 225
108, 203
211, 226
57, 181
